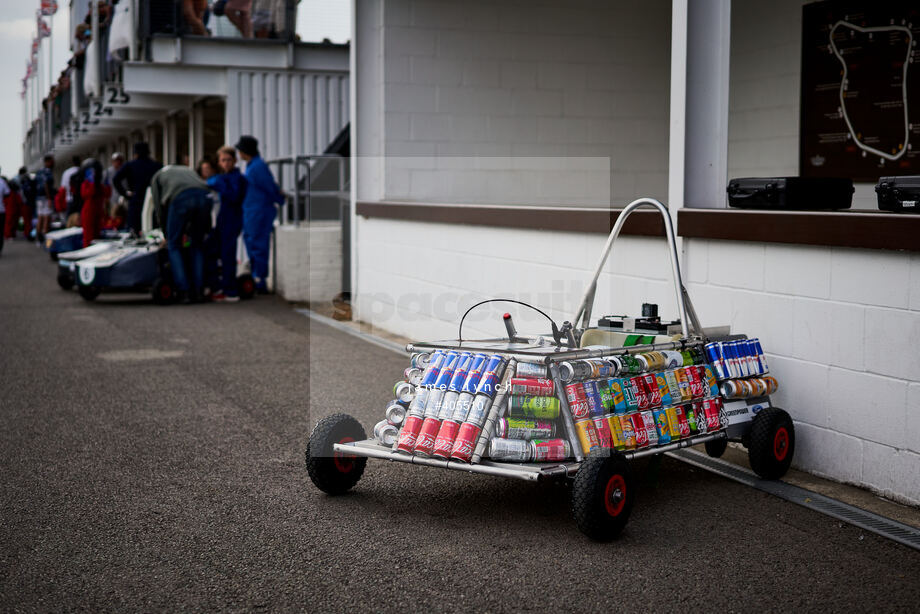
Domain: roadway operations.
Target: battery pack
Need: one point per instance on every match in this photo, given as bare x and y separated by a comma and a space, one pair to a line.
790, 193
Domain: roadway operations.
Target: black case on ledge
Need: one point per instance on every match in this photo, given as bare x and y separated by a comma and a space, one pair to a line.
790, 193
899, 194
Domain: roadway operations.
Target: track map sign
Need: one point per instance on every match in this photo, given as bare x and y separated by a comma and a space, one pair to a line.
860, 89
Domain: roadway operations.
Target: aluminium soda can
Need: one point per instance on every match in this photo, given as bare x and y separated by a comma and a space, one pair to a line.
408, 435
629, 432
444, 442
629, 365
673, 386
673, 422
601, 367
432, 370
534, 407
522, 428
439, 389
534, 387
550, 450
643, 363
395, 413
651, 432
639, 429
528, 370
587, 435
695, 376
662, 426
604, 436
488, 384
642, 399
650, 381
424, 443
687, 358
630, 394
404, 392
449, 404
578, 402
616, 431
710, 382
759, 385
615, 384
663, 391
761, 358
595, 404
603, 389
730, 351
479, 411
772, 384
385, 433
683, 383
672, 359
413, 375
683, 425
510, 450
714, 356
420, 360
465, 443
730, 389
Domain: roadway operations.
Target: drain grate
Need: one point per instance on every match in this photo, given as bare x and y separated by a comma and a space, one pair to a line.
893, 530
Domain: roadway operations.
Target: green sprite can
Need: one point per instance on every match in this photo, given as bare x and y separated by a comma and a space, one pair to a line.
534, 407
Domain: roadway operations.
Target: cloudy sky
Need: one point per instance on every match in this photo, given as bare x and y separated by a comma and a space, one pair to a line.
316, 19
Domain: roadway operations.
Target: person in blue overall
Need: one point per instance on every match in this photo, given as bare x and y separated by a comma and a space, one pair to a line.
231, 185
262, 194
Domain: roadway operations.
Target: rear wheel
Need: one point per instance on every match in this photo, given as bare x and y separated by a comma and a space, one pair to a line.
334, 472
246, 285
89, 293
163, 292
772, 443
603, 495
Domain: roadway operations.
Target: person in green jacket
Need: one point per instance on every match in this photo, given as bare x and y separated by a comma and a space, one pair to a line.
183, 202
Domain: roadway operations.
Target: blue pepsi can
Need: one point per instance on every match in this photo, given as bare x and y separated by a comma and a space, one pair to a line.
471, 383
595, 403
489, 381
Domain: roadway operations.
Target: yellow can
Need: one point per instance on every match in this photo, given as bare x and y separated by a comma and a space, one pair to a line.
587, 436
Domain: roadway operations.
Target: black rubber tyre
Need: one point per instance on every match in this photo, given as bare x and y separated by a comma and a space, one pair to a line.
246, 286
331, 472
716, 447
53, 256
603, 495
163, 292
772, 443
65, 281
89, 293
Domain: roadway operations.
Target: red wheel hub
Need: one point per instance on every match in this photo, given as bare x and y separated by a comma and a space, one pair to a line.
344, 462
781, 443
615, 495
165, 291
248, 286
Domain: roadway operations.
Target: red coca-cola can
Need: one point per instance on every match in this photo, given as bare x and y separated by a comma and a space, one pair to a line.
639, 427
552, 450
532, 386
444, 442
604, 436
638, 384
711, 408
651, 389
695, 375
424, 443
578, 401
465, 443
409, 434
683, 425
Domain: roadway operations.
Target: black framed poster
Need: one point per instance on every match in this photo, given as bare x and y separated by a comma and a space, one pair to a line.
860, 106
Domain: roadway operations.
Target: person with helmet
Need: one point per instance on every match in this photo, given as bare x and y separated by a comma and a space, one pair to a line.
258, 209
94, 194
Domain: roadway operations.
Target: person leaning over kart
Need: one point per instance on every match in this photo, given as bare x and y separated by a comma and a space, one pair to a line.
183, 206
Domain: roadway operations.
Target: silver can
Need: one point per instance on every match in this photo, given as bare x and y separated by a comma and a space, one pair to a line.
420, 360
417, 406
435, 399
385, 433
510, 450
395, 413
413, 375
448, 405
404, 392
527, 369
480, 409
462, 409
524, 428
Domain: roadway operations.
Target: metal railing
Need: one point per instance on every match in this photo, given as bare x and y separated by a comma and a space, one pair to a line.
264, 19
315, 187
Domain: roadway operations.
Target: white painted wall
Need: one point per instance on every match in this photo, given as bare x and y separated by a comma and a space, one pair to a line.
841, 326
309, 261
499, 101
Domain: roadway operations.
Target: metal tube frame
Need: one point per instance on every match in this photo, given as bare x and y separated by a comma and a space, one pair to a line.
587, 302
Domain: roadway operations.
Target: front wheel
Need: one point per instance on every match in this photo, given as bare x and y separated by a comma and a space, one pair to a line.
89, 293
334, 472
716, 447
603, 495
163, 292
772, 443
65, 281
246, 286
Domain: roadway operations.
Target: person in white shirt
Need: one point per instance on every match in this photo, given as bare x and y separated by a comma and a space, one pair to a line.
66, 182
